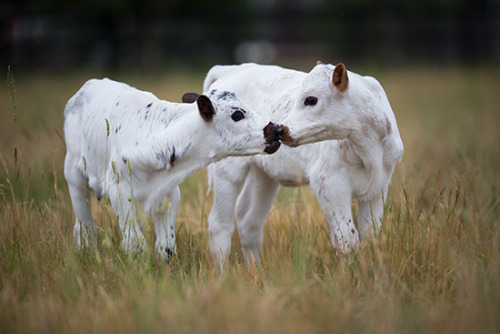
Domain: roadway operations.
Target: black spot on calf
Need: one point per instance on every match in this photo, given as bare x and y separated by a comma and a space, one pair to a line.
170, 253
225, 95
172, 157
165, 158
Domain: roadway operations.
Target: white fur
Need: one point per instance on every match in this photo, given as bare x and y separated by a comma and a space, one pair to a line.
136, 149
357, 147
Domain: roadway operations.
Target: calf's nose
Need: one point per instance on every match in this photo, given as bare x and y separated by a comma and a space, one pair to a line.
272, 135
273, 132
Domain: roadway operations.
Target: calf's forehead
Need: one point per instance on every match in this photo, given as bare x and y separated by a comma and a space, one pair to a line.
319, 78
225, 100
222, 95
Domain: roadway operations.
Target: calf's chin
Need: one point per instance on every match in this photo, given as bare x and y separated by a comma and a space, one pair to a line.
272, 147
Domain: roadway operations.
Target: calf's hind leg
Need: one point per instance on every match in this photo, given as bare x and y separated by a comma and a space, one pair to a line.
252, 208
227, 181
79, 191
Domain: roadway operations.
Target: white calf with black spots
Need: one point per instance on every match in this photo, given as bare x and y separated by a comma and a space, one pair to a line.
354, 146
136, 149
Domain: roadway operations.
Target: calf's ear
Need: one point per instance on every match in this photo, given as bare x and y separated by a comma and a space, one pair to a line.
190, 97
339, 78
206, 108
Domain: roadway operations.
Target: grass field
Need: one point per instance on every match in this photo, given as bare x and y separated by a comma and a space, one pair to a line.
434, 268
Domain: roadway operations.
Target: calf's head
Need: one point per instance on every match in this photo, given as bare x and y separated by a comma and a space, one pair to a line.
333, 103
235, 129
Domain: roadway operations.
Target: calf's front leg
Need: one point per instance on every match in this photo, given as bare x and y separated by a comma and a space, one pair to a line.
164, 220
132, 238
334, 197
370, 213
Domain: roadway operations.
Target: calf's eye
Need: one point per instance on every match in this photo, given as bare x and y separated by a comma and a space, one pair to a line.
310, 101
237, 116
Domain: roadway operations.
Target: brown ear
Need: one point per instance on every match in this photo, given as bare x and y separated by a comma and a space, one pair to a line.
339, 78
319, 62
206, 108
190, 97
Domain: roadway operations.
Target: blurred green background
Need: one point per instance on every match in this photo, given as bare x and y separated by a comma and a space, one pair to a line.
149, 34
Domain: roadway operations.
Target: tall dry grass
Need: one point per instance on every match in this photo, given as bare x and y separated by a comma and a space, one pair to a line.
434, 268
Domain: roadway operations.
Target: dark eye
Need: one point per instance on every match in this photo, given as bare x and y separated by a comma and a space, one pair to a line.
237, 116
310, 101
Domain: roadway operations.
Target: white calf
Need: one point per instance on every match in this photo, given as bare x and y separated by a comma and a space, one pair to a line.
362, 147
136, 149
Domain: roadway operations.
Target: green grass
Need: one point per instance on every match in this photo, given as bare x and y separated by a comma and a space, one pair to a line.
434, 268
